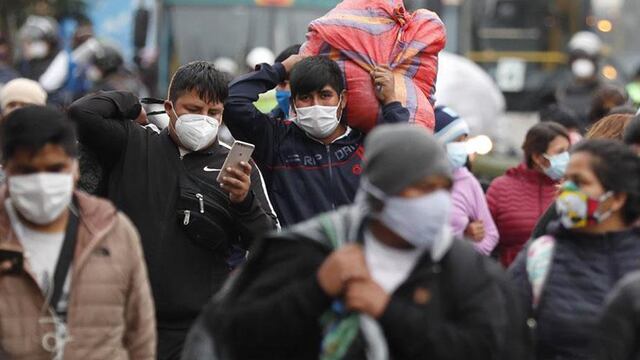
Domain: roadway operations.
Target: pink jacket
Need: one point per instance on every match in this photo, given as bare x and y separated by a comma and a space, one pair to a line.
469, 204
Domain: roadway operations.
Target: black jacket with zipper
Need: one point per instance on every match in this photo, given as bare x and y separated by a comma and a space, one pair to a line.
145, 171
618, 335
450, 308
584, 268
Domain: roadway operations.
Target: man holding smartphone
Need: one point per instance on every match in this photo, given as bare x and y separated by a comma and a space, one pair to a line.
312, 164
193, 228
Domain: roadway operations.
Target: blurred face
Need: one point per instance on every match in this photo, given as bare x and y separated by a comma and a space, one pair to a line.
50, 159
426, 186
191, 103
325, 97
580, 171
557, 146
284, 86
13, 105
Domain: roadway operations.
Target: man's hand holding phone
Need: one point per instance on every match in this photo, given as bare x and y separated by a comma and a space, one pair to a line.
237, 181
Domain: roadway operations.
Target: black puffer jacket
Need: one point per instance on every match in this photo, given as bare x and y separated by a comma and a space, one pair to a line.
584, 269
271, 310
618, 336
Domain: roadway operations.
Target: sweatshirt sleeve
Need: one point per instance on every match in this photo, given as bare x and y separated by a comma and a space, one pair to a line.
394, 112
140, 334
483, 214
244, 120
100, 119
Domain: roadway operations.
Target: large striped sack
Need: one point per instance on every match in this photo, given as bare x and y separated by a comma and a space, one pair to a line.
361, 34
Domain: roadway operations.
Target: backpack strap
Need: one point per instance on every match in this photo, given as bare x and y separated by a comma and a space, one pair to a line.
539, 259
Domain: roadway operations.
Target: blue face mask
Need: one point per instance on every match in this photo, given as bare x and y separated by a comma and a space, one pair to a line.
558, 165
283, 96
419, 221
458, 154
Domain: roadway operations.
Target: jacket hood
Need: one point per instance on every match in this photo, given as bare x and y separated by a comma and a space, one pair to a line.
523, 172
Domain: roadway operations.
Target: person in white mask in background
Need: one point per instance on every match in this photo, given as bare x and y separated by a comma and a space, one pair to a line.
470, 215
585, 50
312, 161
194, 229
72, 274
380, 279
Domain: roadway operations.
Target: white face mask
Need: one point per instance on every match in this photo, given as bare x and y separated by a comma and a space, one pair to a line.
583, 68
37, 50
419, 221
196, 131
41, 197
317, 121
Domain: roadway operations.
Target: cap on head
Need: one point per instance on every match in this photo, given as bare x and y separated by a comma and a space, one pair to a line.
587, 42
260, 55
226, 65
400, 155
39, 28
449, 125
22, 90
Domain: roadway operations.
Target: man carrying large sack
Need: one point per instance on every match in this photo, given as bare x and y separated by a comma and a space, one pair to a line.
311, 164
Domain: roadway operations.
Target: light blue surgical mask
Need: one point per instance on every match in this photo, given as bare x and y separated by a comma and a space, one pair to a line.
558, 165
283, 97
458, 154
419, 221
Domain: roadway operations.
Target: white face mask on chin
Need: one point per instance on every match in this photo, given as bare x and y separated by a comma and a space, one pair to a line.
583, 68
41, 197
318, 121
196, 131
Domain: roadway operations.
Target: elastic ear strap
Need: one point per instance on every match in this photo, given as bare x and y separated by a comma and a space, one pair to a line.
372, 189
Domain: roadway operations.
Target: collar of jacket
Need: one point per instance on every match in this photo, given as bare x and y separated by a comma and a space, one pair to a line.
530, 175
572, 234
349, 223
97, 217
208, 151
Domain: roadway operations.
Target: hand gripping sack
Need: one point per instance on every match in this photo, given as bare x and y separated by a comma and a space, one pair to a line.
360, 34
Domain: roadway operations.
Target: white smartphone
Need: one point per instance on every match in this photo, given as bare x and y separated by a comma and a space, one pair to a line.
240, 152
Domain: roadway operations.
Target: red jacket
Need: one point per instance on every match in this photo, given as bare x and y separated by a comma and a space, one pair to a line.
516, 200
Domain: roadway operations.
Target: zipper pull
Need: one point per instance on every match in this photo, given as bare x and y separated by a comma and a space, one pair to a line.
201, 200
187, 217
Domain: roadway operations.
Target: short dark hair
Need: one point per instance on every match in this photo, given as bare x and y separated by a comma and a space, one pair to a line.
606, 98
617, 168
32, 127
210, 84
561, 115
539, 137
313, 74
631, 134
291, 50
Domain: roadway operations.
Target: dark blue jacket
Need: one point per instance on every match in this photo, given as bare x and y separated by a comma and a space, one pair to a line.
583, 271
304, 177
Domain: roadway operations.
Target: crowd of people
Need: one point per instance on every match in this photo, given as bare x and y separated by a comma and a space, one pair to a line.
123, 235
